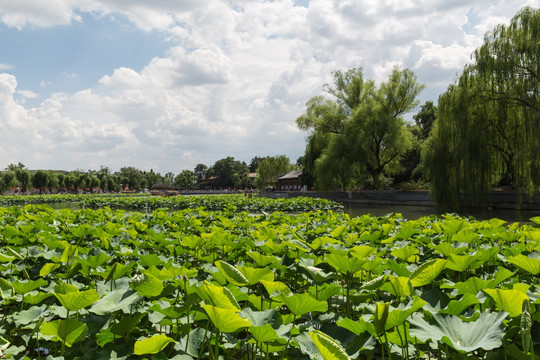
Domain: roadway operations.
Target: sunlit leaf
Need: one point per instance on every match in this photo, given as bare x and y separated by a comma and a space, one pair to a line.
226, 320
77, 300
146, 285
427, 272
329, 348
69, 331
510, 301
152, 345
231, 273
484, 333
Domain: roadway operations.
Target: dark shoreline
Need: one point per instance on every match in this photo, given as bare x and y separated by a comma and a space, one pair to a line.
504, 199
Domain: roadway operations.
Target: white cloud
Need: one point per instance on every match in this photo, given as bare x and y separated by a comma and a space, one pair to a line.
5, 67
235, 77
19, 14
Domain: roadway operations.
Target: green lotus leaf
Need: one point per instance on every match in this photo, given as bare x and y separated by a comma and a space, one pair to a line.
146, 285
255, 275
6, 258
399, 286
300, 304
446, 249
374, 284
226, 320
65, 288
262, 260
10, 231
31, 315
527, 263
357, 327
23, 287
218, 296
69, 331
510, 301
406, 253
34, 298
126, 324
96, 260
77, 300
338, 231
526, 325
397, 316
152, 345
484, 333
459, 262
427, 272
318, 275
231, 273
380, 317
273, 286
298, 245
329, 348
344, 264
48, 268
456, 307
362, 251
325, 291
536, 220
5, 288
259, 318
265, 333
472, 286
120, 299
116, 271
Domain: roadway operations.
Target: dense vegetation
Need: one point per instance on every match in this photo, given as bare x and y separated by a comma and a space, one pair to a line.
105, 284
359, 137
487, 132
483, 133
208, 202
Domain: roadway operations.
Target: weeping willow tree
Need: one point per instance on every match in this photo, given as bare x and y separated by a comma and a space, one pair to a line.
488, 129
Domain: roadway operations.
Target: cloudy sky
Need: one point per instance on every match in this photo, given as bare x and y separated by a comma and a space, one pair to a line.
166, 84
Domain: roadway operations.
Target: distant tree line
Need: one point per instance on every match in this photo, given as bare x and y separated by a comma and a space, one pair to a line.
226, 173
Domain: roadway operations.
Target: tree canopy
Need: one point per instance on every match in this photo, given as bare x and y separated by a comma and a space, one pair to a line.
359, 137
229, 172
487, 132
270, 169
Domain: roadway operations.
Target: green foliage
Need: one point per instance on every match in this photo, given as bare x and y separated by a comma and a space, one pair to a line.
229, 172
270, 169
365, 134
487, 132
210, 284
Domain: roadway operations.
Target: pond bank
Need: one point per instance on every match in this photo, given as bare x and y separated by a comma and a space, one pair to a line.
415, 204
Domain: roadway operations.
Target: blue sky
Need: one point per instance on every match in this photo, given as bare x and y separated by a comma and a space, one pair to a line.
165, 85
72, 57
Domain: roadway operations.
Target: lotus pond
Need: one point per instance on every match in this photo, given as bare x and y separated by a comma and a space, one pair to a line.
222, 283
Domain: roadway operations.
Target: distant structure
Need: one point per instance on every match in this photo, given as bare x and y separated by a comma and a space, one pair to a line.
291, 181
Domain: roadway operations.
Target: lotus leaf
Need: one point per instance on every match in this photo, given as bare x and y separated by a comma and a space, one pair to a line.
231, 273
77, 300
427, 272
484, 333
527, 263
329, 348
300, 304
226, 320
152, 345
510, 301
146, 285
69, 331
219, 296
